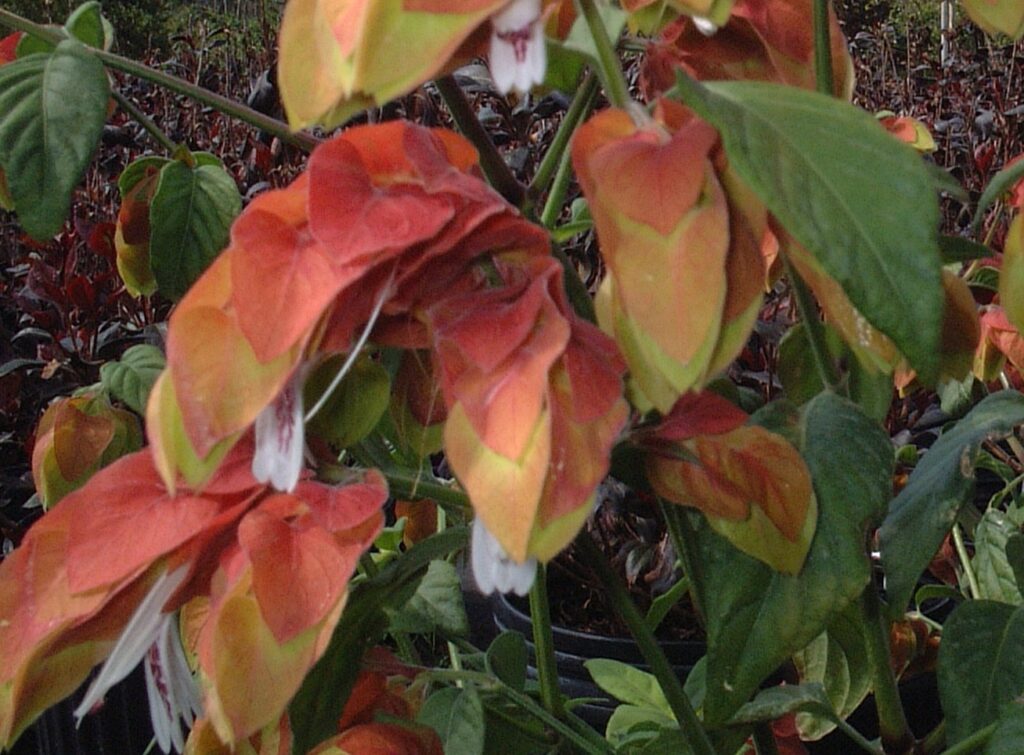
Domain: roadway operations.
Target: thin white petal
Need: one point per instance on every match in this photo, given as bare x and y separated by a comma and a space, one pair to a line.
516, 15
518, 57
280, 437
503, 65
493, 570
142, 630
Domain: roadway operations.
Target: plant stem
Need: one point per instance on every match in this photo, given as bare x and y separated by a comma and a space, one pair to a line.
822, 48
544, 643
615, 87
580, 108
815, 329
685, 715
973, 743
575, 288
415, 486
303, 140
892, 723
682, 536
935, 741
965, 561
145, 121
556, 196
764, 739
495, 169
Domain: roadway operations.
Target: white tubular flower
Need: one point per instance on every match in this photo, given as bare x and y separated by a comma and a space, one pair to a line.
705, 26
518, 56
493, 570
281, 438
152, 636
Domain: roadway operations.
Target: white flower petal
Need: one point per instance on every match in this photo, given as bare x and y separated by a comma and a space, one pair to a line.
142, 630
705, 26
280, 438
171, 688
518, 56
493, 570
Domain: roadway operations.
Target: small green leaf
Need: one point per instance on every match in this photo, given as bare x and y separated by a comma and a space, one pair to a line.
981, 665
757, 618
958, 249
1001, 183
137, 170
132, 377
628, 684
457, 715
776, 702
87, 24
627, 720
860, 201
507, 658
190, 218
436, 606
567, 59
52, 110
922, 514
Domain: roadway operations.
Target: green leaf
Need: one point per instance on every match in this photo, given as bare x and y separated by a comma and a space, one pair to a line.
837, 660
981, 665
1008, 738
567, 59
137, 170
1001, 183
860, 201
457, 715
87, 24
628, 684
131, 379
776, 702
664, 603
957, 249
757, 618
436, 606
507, 658
317, 706
627, 719
190, 217
996, 576
52, 109
922, 514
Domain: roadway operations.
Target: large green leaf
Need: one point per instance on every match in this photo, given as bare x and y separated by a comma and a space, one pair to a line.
190, 218
757, 618
507, 658
860, 201
52, 109
457, 715
981, 665
436, 606
628, 684
1008, 738
922, 514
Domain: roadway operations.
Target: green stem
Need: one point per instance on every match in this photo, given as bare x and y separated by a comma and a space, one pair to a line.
935, 741
615, 87
822, 48
556, 197
495, 169
859, 739
303, 140
671, 686
682, 535
544, 643
892, 723
812, 323
973, 743
415, 486
965, 561
580, 108
764, 739
146, 122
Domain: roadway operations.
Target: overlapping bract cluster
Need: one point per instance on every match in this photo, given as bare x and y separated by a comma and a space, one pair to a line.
393, 218
681, 239
265, 573
764, 40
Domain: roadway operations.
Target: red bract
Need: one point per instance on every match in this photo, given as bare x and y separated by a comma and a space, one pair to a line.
120, 555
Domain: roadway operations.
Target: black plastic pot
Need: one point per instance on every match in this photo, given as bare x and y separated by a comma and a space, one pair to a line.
121, 727
573, 649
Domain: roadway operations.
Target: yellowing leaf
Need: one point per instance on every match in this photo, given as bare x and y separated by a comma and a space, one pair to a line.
1011, 274
1002, 16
